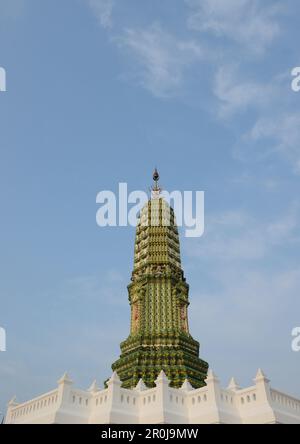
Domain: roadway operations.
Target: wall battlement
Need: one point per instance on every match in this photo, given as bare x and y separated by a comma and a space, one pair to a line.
211, 404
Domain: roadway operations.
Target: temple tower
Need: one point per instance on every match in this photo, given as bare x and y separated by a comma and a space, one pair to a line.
159, 336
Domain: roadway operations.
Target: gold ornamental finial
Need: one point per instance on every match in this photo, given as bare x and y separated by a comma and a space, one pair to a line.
155, 190
156, 178
155, 175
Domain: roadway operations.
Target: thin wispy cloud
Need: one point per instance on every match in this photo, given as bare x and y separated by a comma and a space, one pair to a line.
103, 10
162, 59
249, 287
246, 180
237, 235
251, 24
237, 94
281, 134
245, 307
273, 129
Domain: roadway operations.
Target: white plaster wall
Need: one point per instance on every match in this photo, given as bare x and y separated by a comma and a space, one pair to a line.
258, 404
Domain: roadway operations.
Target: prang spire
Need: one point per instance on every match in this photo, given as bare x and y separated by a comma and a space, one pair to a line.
159, 336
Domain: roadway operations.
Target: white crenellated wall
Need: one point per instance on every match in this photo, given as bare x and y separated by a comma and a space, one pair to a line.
211, 404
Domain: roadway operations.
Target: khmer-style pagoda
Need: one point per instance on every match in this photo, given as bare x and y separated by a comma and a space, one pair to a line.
159, 336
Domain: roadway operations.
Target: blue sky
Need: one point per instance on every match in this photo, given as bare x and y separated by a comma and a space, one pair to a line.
99, 92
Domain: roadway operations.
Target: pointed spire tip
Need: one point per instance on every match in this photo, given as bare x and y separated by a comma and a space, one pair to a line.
155, 175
